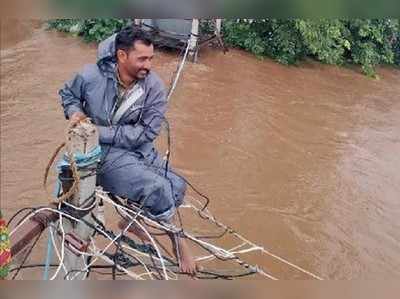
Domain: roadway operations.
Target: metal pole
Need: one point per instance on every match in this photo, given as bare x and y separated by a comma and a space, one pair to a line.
193, 39
218, 26
83, 138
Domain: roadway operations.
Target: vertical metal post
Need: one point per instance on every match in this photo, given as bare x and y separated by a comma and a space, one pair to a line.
217, 32
83, 139
193, 39
218, 26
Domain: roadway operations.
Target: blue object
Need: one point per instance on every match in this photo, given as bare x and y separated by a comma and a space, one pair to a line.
49, 256
81, 160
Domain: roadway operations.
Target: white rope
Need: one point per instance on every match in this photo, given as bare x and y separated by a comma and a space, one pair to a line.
155, 247
104, 250
79, 208
84, 262
211, 256
224, 254
212, 218
148, 236
151, 240
217, 251
56, 249
137, 252
101, 254
62, 248
182, 63
71, 218
98, 254
129, 273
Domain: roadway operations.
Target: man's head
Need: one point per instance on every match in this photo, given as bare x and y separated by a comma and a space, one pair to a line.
134, 52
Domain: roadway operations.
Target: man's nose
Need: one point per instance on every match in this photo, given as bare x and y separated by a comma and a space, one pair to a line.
147, 64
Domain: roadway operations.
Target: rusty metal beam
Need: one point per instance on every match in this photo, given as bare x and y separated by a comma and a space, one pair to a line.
30, 229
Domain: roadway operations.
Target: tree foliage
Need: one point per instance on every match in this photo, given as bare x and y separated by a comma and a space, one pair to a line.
92, 30
365, 42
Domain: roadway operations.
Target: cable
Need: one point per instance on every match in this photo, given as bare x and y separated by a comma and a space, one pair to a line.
18, 269
218, 252
180, 68
19, 212
31, 266
62, 246
56, 249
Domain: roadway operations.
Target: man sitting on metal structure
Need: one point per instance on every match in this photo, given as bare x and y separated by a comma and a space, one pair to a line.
127, 102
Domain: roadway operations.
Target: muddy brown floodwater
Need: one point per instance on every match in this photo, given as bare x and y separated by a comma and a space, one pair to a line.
302, 160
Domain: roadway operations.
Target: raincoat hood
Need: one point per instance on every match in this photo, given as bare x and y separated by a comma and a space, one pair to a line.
106, 59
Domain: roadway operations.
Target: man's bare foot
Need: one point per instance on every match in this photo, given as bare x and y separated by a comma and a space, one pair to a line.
137, 231
182, 252
187, 264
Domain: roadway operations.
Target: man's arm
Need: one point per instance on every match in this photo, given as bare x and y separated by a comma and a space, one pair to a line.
132, 136
72, 98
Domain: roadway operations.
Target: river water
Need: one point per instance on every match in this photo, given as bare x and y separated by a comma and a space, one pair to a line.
302, 160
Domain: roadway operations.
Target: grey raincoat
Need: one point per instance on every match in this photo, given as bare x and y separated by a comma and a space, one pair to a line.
131, 167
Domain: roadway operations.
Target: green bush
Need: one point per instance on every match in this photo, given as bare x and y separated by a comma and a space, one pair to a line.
334, 41
373, 42
92, 30
365, 42
397, 50
270, 37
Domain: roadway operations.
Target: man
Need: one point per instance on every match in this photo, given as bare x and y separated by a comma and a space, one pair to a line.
127, 102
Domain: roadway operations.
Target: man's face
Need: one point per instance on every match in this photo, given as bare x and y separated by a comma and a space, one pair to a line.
137, 62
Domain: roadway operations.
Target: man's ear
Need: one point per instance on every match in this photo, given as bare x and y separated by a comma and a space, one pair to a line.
122, 55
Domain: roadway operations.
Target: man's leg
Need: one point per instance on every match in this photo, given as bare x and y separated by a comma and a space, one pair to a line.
124, 174
183, 253
179, 247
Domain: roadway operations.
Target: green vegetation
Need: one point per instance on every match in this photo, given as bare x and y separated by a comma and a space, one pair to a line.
92, 30
364, 42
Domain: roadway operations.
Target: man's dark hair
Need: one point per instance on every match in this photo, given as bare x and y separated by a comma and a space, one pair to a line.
126, 38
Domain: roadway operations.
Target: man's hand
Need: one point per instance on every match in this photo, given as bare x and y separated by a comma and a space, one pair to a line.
76, 118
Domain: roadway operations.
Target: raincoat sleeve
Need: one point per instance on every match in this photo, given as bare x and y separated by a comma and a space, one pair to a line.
131, 136
72, 96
